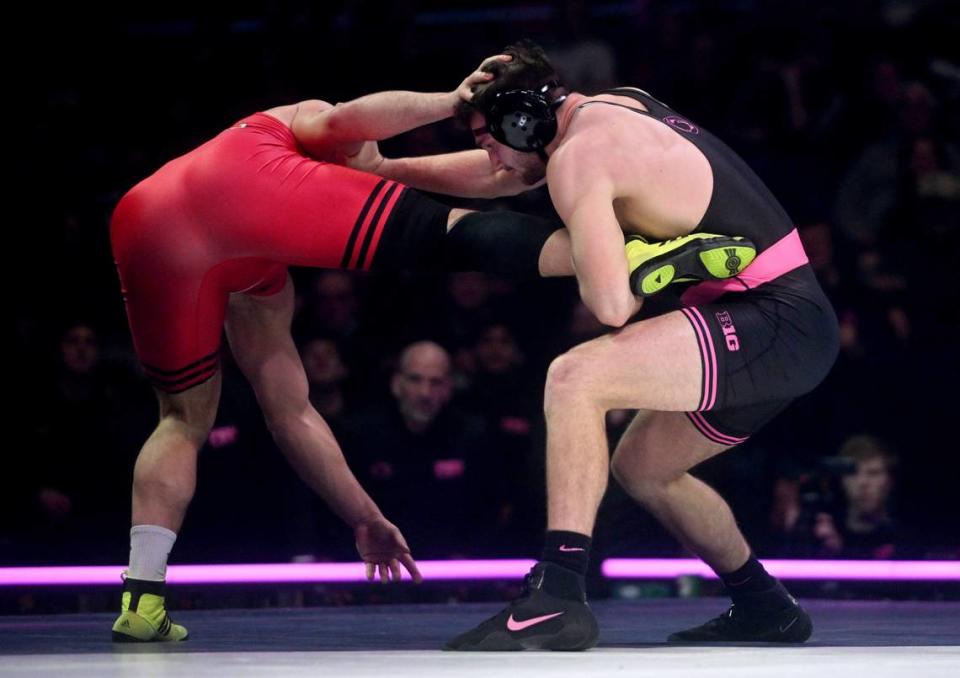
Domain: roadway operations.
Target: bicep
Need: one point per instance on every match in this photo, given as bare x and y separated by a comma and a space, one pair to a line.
585, 203
583, 197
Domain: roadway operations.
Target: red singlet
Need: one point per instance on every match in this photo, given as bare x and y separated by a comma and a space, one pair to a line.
230, 216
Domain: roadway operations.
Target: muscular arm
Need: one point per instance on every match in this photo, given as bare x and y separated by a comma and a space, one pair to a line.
467, 174
321, 130
583, 192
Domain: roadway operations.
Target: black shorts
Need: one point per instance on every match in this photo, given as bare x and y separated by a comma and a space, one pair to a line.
759, 350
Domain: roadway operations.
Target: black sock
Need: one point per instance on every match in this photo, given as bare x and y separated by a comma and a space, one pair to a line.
752, 586
567, 549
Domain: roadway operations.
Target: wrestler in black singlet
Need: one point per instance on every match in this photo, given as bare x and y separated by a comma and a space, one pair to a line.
768, 335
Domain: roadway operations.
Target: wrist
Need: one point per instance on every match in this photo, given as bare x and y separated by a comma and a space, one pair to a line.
374, 516
450, 102
386, 167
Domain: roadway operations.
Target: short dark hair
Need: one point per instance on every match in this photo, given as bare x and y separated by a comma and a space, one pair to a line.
529, 69
863, 448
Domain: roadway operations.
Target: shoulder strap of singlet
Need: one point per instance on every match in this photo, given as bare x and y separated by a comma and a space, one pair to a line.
629, 92
632, 92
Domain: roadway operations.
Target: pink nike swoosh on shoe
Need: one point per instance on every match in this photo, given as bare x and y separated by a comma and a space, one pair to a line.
514, 625
569, 549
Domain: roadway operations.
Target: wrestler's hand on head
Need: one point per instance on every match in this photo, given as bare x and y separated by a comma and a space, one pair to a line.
467, 88
367, 159
384, 550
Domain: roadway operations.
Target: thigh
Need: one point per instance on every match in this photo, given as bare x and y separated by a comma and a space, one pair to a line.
196, 407
653, 364
662, 446
176, 281
176, 320
258, 330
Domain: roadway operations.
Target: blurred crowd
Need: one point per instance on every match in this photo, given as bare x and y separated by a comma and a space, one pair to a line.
433, 384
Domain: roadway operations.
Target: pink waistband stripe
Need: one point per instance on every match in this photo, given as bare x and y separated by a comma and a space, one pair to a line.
780, 258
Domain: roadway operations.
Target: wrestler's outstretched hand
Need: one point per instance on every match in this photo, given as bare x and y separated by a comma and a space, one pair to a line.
383, 549
467, 88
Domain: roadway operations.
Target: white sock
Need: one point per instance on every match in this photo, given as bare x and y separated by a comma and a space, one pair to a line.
149, 548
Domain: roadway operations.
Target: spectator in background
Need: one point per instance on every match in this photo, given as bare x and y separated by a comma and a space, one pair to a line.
423, 461
856, 523
333, 307
498, 384
508, 397
73, 500
326, 374
928, 218
866, 529
870, 192
470, 306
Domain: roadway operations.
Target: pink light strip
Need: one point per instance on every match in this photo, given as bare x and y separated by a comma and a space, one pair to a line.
272, 573
446, 570
853, 570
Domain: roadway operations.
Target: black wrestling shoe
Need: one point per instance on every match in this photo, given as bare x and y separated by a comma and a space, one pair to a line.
551, 614
789, 624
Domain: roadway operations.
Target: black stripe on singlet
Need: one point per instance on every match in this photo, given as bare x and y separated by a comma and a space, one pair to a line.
355, 233
203, 374
175, 373
374, 225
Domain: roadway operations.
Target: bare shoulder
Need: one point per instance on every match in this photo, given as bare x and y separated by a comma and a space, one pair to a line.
578, 173
616, 143
597, 143
576, 155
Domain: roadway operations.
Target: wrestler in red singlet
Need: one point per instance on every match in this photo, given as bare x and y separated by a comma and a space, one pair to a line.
230, 216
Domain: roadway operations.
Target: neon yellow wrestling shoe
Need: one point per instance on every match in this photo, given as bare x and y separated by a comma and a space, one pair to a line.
698, 256
143, 616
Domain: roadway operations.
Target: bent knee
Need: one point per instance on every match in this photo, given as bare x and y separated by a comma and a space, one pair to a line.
568, 376
192, 417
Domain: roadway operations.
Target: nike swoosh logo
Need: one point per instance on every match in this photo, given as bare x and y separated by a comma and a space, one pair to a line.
569, 549
514, 625
783, 629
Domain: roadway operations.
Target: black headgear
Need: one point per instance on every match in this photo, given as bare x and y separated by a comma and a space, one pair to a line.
524, 119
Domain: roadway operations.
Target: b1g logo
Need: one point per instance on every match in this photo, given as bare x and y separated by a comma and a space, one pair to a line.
682, 124
729, 331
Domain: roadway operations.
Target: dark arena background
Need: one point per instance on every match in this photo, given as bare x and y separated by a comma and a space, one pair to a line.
849, 111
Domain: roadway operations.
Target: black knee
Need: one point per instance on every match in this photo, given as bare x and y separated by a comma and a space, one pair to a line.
502, 243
